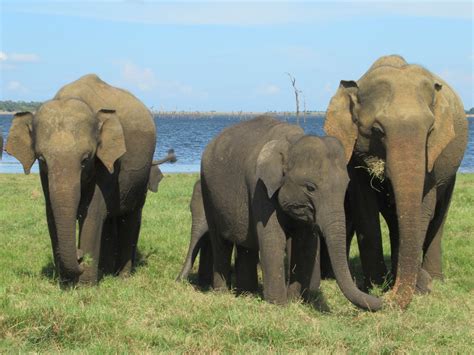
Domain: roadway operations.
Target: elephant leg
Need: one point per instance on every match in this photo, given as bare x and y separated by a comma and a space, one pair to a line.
423, 282
246, 261
326, 267
432, 261
90, 232
272, 244
198, 231
51, 222
390, 216
365, 215
109, 247
205, 261
128, 230
221, 255
305, 266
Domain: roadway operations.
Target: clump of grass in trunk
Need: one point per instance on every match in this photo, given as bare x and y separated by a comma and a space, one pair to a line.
375, 167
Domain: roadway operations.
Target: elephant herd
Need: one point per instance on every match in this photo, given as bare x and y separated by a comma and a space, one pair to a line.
279, 198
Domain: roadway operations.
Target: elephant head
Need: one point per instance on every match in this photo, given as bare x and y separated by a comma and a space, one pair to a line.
400, 114
71, 142
311, 178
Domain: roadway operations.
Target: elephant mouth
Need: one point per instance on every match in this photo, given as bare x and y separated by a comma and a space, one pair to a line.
301, 212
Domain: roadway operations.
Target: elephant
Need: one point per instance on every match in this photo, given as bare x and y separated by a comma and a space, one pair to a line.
404, 133
263, 182
95, 146
200, 242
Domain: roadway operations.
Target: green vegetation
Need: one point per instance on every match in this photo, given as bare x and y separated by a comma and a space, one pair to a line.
150, 312
19, 106
471, 111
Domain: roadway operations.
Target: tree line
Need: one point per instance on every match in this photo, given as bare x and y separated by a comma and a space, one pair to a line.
18, 106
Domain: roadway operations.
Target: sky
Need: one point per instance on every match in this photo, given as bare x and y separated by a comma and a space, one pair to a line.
227, 56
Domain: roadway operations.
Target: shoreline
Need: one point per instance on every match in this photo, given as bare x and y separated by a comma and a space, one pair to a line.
241, 114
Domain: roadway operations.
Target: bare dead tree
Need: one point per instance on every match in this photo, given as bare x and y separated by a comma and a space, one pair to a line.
304, 107
297, 92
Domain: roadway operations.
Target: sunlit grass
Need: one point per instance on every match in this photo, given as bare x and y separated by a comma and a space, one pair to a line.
151, 312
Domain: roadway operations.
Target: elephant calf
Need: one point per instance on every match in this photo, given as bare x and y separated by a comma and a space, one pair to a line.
199, 242
95, 145
263, 181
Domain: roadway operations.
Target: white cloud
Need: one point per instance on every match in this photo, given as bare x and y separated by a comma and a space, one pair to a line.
19, 57
268, 89
16, 86
142, 78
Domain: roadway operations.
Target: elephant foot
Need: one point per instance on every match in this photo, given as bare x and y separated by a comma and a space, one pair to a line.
294, 291
90, 276
423, 283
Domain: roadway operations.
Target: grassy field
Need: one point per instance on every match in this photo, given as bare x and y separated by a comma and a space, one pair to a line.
150, 312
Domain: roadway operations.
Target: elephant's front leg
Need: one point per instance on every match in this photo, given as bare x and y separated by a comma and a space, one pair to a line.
305, 266
272, 244
423, 281
432, 261
365, 214
90, 233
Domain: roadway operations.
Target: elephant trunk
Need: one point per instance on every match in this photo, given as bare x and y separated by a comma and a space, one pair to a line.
64, 200
406, 170
334, 232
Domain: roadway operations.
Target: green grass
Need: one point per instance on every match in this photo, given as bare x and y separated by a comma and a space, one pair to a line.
150, 312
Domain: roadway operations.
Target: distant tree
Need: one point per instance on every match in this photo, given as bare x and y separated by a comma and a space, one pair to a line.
18, 106
471, 111
297, 92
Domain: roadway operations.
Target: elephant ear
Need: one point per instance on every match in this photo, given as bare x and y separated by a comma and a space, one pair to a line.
339, 121
20, 140
443, 127
112, 141
270, 164
155, 177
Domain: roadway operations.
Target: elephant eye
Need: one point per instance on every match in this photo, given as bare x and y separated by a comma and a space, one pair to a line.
310, 187
85, 161
377, 131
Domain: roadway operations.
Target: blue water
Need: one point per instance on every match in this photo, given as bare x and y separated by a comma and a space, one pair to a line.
189, 136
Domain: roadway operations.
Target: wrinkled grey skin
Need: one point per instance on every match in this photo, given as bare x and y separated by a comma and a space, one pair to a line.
263, 181
415, 123
95, 144
199, 243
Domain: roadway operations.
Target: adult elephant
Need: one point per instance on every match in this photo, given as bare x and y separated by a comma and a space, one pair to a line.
95, 145
406, 126
263, 181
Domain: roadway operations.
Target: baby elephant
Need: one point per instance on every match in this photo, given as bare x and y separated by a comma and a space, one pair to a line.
199, 243
264, 182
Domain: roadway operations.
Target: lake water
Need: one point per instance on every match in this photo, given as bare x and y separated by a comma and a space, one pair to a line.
189, 136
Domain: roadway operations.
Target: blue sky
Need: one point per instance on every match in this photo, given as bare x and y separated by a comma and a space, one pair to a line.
227, 56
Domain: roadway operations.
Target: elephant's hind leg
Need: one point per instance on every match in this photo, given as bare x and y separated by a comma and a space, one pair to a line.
205, 262
246, 278
128, 230
221, 255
